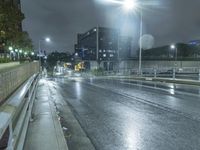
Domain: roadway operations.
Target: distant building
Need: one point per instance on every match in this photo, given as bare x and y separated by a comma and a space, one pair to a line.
103, 45
184, 51
195, 42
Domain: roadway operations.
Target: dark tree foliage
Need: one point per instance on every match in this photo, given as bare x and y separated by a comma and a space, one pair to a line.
10, 27
54, 57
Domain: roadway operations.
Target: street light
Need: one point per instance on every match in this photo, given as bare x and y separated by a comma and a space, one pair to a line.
173, 47
48, 40
17, 51
130, 6
10, 48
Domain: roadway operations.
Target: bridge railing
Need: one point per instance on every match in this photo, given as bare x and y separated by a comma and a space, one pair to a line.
192, 73
10, 80
18, 91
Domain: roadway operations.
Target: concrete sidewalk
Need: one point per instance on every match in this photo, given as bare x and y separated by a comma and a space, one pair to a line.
45, 131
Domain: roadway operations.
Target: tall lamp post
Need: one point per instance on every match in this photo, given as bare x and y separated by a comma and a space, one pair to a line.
174, 47
48, 40
140, 54
130, 6
133, 5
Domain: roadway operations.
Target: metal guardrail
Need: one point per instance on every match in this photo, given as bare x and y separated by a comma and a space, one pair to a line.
10, 80
169, 72
15, 114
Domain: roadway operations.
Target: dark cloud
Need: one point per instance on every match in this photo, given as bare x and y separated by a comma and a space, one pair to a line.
168, 21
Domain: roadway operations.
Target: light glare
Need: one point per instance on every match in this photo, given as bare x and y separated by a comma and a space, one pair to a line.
173, 46
48, 40
129, 5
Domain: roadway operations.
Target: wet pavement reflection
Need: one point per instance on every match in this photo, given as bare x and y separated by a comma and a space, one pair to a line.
120, 116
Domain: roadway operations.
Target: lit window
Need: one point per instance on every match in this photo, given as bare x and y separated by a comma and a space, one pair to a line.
104, 55
95, 30
100, 50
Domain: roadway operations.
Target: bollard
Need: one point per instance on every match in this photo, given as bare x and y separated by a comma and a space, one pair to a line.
155, 73
174, 73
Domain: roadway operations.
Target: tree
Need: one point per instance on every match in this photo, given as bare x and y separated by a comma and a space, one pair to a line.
10, 28
54, 57
21, 41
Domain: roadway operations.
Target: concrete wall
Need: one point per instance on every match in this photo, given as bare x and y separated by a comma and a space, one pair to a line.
13, 78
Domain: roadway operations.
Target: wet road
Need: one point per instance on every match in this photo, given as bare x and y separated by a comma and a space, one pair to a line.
131, 115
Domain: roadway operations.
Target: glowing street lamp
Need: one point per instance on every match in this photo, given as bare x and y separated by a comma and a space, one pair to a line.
32, 53
48, 39
130, 6
10, 48
20, 51
173, 47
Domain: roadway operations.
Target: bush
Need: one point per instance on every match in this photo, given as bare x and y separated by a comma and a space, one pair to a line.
5, 60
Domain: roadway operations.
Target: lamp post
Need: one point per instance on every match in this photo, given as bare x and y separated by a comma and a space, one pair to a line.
174, 47
10, 48
140, 53
130, 6
48, 40
133, 5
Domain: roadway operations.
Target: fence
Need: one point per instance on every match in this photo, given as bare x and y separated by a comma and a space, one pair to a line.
192, 73
10, 80
15, 114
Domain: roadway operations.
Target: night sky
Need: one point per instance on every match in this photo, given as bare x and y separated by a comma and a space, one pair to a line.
168, 21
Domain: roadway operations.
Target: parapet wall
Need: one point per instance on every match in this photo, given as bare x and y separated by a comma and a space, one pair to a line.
12, 79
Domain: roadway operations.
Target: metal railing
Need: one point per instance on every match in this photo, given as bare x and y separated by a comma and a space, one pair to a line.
12, 79
15, 114
192, 73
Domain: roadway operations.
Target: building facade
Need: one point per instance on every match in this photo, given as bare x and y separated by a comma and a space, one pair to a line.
103, 45
181, 51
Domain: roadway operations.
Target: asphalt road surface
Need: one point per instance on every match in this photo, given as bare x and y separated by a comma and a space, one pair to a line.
133, 115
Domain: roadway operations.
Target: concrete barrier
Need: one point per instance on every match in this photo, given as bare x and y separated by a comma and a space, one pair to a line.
12, 79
